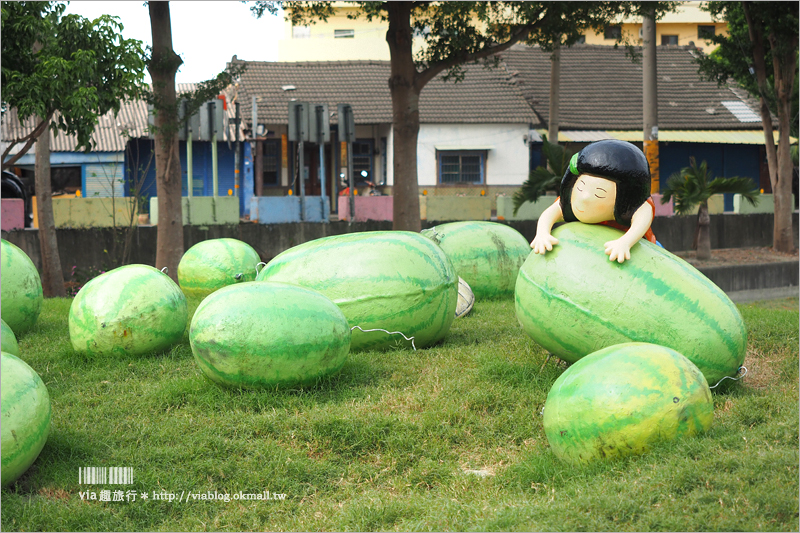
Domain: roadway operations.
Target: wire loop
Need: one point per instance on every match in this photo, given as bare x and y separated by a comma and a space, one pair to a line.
734, 379
389, 332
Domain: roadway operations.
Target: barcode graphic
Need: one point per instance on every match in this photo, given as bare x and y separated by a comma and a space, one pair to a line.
102, 475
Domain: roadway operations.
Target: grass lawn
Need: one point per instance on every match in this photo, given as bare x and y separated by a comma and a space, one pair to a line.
447, 438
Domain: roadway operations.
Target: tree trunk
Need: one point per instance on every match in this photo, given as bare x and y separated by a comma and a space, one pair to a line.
555, 88
759, 62
163, 66
52, 277
703, 233
405, 118
784, 62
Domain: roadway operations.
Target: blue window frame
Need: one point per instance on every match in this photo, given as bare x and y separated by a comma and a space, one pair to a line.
461, 166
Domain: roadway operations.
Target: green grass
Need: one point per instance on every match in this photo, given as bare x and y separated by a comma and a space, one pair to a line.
388, 442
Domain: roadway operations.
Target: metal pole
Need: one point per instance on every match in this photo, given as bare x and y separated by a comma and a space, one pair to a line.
301, 168
320, 129
189, 175
236, 153
214, 175
351, 180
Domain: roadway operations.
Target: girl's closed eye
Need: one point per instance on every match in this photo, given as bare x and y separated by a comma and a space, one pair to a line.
579, 185
600, 193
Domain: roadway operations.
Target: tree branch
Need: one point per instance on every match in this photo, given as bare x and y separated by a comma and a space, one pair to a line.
432, 71
30, 139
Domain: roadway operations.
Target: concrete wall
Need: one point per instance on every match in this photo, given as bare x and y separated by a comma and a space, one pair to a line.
507, 154
367, 208
85, 248
201, 210
90, 212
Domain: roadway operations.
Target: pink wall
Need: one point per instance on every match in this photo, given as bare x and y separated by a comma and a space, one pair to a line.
367, 208
13, 214
663, 210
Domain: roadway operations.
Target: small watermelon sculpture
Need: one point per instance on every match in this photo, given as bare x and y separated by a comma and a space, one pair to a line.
133, 309
25, 417
487, 255
392, 280
22, 295
268, 335
9, 340
215, 263
574, 301
622, 399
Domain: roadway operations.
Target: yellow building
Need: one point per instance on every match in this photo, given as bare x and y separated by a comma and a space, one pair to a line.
341, 38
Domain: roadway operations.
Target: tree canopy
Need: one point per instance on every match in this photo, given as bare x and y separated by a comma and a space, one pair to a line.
66, 68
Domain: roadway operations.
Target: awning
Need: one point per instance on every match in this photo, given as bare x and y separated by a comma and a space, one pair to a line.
686, 136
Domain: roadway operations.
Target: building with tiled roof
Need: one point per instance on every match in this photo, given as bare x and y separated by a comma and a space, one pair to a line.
482, 122
601, 98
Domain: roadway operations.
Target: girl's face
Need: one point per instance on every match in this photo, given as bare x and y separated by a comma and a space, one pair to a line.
593, 199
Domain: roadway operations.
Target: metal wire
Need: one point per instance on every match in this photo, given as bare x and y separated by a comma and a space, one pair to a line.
389, 332
165, 270
734, 379
258, 265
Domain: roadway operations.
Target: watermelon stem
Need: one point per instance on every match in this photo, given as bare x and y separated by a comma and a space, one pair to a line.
734, 379
389, 332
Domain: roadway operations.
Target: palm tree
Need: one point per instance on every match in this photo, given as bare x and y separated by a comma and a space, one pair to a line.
693, 186
544, 178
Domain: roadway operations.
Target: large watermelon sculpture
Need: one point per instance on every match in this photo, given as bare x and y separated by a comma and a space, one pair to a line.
574, 301
25, 420
133, 309
215, 263
392, 280
268, 335
487, 255
22, 295
623, 399
8, 339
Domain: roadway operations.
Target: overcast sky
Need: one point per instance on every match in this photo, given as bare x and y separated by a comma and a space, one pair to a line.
205, 34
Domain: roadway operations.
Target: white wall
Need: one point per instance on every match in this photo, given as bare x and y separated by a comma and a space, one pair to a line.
507, 154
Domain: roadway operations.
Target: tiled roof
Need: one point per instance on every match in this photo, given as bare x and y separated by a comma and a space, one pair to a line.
485, 95
601, 89
110, 134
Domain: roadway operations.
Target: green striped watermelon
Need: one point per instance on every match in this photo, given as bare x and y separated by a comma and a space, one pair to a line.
9, 340
574, 301
622, 399
25, 417
487, 255
268, 335
215, 263
133, 309
21, 292
393, 280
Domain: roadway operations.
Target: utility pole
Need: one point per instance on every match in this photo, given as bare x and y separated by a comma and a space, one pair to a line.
650, 93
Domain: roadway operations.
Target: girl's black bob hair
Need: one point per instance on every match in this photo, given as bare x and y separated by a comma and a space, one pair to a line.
617, 161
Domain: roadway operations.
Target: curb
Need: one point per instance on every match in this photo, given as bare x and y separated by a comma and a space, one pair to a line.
757, 281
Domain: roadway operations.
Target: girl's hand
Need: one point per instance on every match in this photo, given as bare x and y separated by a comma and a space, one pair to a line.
618, 250
543, 243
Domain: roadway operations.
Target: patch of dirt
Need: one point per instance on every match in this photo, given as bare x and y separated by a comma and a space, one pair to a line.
737, 256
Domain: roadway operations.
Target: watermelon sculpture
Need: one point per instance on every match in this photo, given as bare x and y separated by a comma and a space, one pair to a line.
22, 295
133, 309
268, 335
215, 263
574, 301
9, 340
25, 420
622, 399
487, 255
392, 280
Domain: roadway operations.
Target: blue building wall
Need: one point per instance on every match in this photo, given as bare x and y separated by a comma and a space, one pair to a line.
142, 155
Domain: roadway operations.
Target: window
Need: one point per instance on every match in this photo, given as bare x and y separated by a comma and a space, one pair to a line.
344, 34
66, 180
706, 32
465, 166
272, 163
669, 39
581, 40
362, 161
301, 32
612, 32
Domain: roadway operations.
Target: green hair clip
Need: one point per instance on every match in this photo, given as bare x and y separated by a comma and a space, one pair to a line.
573, 164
